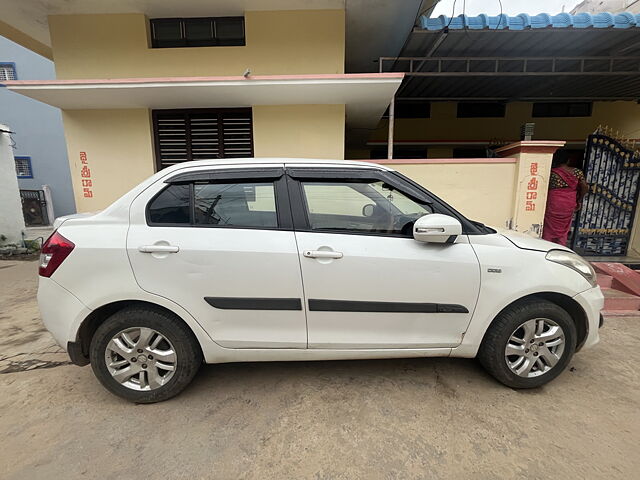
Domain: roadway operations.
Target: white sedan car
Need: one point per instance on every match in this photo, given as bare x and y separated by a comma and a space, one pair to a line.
284, 259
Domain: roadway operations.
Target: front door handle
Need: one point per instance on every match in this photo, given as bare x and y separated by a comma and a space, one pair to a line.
159, 249
321, 254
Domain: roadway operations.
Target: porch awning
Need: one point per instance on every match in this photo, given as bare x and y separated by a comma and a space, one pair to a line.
527, 58
366, 96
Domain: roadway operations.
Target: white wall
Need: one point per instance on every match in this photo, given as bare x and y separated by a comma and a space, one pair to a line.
11, 219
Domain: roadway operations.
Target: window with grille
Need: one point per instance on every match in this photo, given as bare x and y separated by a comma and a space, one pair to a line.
561, 109
197, 32
410, 109
7, 72
23, 167
202, 134
481, 109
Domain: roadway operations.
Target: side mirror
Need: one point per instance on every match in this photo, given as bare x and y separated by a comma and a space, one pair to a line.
368, 210
436, 228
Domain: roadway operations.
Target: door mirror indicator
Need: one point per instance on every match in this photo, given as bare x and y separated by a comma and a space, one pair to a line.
436, 228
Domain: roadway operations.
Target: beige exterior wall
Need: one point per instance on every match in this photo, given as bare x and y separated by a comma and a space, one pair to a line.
480, 191
277, 43
306, 131
444, 126
119, 153
119, 144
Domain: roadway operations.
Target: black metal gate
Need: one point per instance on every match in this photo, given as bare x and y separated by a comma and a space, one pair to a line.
603, 226
34, 207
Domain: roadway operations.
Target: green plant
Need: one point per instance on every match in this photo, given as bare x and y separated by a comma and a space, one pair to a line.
33, 245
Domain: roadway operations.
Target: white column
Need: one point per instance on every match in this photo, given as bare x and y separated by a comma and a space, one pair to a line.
11, 219
49, 199
392, 114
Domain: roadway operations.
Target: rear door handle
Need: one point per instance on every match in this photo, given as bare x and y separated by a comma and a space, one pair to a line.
321, 254
159, 249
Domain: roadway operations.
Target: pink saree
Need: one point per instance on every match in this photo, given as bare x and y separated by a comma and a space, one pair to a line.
561, 204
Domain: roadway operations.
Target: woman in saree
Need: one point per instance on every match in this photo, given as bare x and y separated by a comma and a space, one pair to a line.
567, 188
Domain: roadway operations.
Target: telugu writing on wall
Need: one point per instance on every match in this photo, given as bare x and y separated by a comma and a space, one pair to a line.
532, 188
85, 173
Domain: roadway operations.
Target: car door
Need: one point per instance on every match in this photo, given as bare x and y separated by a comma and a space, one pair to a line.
367, 282
220, 244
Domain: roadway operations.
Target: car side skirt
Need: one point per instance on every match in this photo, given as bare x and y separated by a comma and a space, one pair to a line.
227, 355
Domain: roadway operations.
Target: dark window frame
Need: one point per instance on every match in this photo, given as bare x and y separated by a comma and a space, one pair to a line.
28, 159
545, 109
465, 110
402, 109
12, 67
281, 194
186, 112
400, 151
183, 42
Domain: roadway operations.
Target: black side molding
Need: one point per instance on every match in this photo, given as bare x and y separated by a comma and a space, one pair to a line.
245, 303
316, 305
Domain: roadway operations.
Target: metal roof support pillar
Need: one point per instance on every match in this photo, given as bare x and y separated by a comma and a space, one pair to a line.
392, 108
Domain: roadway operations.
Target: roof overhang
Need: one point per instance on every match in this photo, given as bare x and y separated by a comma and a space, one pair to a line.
366, 96
539, 57
372, 28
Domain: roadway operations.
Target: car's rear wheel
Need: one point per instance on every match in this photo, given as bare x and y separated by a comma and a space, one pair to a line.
144, 355
529, 344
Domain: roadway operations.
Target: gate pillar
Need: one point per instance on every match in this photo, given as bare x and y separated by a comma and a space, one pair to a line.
531, 182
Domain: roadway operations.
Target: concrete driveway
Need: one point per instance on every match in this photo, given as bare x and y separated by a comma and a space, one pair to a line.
387, 419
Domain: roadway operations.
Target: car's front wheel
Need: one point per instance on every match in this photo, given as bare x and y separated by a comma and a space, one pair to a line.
529, 344
144, 355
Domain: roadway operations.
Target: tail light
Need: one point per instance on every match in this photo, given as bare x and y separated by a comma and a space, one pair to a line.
53, 253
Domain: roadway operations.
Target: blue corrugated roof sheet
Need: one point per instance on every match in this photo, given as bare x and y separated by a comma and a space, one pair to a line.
525, 21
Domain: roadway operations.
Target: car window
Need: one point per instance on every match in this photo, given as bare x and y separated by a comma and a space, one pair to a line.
373, 207
171, 206
246, 204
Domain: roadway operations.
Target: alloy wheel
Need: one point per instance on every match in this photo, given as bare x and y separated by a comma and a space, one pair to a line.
535, 347
141, 358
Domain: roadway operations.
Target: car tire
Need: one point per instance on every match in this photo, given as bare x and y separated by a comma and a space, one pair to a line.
169, 355
510, 332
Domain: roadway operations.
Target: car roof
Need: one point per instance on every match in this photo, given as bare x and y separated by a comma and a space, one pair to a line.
253, 162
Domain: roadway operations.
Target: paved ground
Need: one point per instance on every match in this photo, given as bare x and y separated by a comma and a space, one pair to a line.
427, 418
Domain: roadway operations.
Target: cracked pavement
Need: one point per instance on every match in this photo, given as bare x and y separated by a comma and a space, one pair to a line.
385, 419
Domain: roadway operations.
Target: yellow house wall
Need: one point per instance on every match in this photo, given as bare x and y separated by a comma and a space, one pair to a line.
118, 144
445, 126
306, 131
480, 191
277, 43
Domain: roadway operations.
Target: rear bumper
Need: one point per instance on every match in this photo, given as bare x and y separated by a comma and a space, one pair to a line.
62, 313
592, 302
